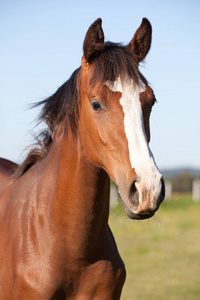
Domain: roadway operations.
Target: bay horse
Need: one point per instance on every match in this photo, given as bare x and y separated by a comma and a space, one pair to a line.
55, 242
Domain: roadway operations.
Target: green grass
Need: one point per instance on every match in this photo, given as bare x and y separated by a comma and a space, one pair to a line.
162, 254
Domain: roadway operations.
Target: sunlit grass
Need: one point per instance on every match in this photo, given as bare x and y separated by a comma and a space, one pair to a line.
162, 255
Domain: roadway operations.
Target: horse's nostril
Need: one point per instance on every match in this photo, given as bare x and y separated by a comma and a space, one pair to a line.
133, 193
132, 189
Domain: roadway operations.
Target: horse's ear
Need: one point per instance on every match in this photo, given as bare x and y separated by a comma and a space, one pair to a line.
94, 41
141, 42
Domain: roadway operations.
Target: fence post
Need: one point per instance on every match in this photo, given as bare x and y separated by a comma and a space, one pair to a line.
196, 190
168, 189
113, 196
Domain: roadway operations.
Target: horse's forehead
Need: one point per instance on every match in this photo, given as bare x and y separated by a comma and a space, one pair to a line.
127, 87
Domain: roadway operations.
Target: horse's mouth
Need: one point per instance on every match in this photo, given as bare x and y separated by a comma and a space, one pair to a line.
145, 215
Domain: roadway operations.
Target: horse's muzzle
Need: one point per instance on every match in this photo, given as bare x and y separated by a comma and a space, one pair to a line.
144, 203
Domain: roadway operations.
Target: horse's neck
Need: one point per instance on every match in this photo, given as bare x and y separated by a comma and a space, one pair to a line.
80, 202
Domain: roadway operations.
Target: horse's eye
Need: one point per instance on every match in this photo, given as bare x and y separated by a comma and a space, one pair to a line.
96, 105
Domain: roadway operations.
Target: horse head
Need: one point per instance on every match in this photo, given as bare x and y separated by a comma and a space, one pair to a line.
115, 107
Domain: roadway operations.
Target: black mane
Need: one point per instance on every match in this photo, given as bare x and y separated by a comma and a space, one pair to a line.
115, 60
63, 105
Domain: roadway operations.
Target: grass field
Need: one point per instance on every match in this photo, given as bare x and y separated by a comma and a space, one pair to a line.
162, 254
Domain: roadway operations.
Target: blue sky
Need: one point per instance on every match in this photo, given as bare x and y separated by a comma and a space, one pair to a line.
41, 45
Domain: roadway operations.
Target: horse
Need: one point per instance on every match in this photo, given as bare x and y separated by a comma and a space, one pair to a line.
55, 241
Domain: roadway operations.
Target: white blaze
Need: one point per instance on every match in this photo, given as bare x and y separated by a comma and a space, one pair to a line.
141, 157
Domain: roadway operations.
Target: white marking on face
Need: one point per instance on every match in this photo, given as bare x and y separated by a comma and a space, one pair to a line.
141, 157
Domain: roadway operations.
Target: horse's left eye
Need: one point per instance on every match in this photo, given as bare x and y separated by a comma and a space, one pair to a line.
96, 105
